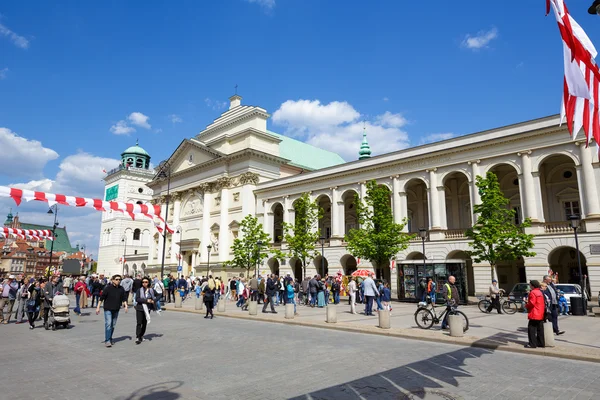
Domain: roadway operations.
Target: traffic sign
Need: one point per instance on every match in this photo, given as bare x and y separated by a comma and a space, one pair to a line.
179, 268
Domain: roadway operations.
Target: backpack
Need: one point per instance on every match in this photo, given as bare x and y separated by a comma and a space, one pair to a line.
423, 284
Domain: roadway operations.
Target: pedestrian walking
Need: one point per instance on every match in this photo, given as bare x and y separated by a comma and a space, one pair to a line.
370, 290
271, 292
209, 297
352, 292
552, 293
159, 289
145, 301
80, 289
22, 295
34, 298
113, 296
50, 290
536, 307
9, 295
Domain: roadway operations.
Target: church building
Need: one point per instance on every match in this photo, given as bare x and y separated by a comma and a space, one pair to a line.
236, 167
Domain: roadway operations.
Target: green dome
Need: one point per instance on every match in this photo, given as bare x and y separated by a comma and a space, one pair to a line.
365, 149
136, 150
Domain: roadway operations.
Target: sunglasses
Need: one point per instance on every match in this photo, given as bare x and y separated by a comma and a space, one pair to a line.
145, 282
117, 279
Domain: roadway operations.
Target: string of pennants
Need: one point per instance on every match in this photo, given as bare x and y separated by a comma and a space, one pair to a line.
133, 210
32, 234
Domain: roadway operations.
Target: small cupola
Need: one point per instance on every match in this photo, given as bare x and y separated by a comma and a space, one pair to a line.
365, 149
135, 157
235, 101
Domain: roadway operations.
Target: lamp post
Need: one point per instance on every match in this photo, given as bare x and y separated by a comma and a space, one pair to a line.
52, 210
322, 239
124, 241
259, 246
594, 8
423, 235
208, 248
165, 172
575, 220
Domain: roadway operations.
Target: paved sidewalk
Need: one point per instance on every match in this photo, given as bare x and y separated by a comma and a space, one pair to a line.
492, 331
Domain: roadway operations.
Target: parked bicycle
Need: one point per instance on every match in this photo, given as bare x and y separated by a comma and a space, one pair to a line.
507, 306
426, 316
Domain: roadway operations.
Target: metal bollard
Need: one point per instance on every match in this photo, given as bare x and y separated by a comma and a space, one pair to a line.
549, 334
289, 311
455, 322
253, 307
178, 300
331, 314
384, 319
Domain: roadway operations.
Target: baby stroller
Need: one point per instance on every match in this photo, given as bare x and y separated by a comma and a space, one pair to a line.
59, 313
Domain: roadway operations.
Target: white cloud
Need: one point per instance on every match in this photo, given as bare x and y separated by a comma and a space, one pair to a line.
176, 119
121, 128
385, 99
436, 137
20, 157
481, 40
337, 127
215, 104
17, 40
3, 72
266, 4
139, 119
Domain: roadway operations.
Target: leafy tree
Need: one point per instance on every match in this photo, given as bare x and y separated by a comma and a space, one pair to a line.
495, 236
249, 249
302, 236
378, 238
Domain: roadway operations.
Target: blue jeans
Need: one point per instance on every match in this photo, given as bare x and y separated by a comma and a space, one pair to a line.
369, 305
76, 310
292, 301
432, 297
313, 298
336, 297
216, 299
563, 308
110, 321
157, 303
378, 300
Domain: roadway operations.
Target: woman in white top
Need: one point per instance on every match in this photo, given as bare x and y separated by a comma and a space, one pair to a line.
352, 291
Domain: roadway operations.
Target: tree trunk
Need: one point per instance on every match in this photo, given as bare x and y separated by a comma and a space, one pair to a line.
494, 271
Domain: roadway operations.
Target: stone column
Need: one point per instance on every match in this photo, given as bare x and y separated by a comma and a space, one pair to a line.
224, 226
337, 234
267, 223
403, 201
434, 198
531, 206
194, 261
286, 209
475, 196
396, 211
176, 216
205, 238
589, 191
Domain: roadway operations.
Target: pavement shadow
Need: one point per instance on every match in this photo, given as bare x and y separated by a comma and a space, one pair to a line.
122, 339
498, 339
152, 336
435, 376
158, 391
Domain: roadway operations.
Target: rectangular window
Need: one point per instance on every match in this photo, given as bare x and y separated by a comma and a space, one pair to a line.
571, 208
517, 211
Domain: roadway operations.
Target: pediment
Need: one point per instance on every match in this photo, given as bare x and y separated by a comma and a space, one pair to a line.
214, 227
191, 153
568, 193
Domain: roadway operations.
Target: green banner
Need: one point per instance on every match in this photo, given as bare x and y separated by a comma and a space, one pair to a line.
112, 193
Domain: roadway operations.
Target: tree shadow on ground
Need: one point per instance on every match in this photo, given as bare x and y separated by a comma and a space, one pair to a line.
437, 376
158, 391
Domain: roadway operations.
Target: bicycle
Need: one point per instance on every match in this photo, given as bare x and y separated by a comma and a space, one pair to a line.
425, 317
508, 306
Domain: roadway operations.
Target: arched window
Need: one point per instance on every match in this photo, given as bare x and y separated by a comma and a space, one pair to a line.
136, 234
139, 163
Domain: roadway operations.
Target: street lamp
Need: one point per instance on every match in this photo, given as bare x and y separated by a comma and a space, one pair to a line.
594, 8
208, 248
52, 210
575, 220
124, 241
165, 172
423, 235
322, 239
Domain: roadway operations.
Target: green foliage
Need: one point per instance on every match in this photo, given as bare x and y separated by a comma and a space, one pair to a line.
247, 252
378, 238
301, 236
495, 237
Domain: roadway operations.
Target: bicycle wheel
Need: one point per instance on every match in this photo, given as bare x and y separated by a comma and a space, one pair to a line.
464, 318
424, 318
483, 305
509, 307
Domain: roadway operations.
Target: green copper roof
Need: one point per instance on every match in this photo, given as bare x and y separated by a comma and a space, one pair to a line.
61, 242
136, 150
365, 149
304, 155
9, 218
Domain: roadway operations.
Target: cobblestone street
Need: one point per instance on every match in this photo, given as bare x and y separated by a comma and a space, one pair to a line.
188, 357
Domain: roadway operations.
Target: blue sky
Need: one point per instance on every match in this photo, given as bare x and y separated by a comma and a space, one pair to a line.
77, 76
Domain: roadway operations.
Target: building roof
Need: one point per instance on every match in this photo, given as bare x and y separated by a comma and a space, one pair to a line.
61, 241
304, 155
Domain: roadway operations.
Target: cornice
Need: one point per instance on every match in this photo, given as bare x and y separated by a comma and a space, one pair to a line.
254, 111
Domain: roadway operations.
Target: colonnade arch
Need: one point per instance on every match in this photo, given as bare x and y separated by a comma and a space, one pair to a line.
559, 188
349, 264
417, 204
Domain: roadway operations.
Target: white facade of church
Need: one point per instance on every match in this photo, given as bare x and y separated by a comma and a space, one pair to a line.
237, 167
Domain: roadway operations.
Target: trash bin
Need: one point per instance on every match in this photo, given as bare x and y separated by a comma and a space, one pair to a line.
577, 305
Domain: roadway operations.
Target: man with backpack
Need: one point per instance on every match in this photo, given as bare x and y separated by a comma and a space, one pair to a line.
158, 288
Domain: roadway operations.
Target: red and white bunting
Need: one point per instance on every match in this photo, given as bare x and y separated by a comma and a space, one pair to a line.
149, 211
579, 108
35, 234
131, 209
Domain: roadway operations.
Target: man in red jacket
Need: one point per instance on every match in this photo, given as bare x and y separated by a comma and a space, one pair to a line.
536, 306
